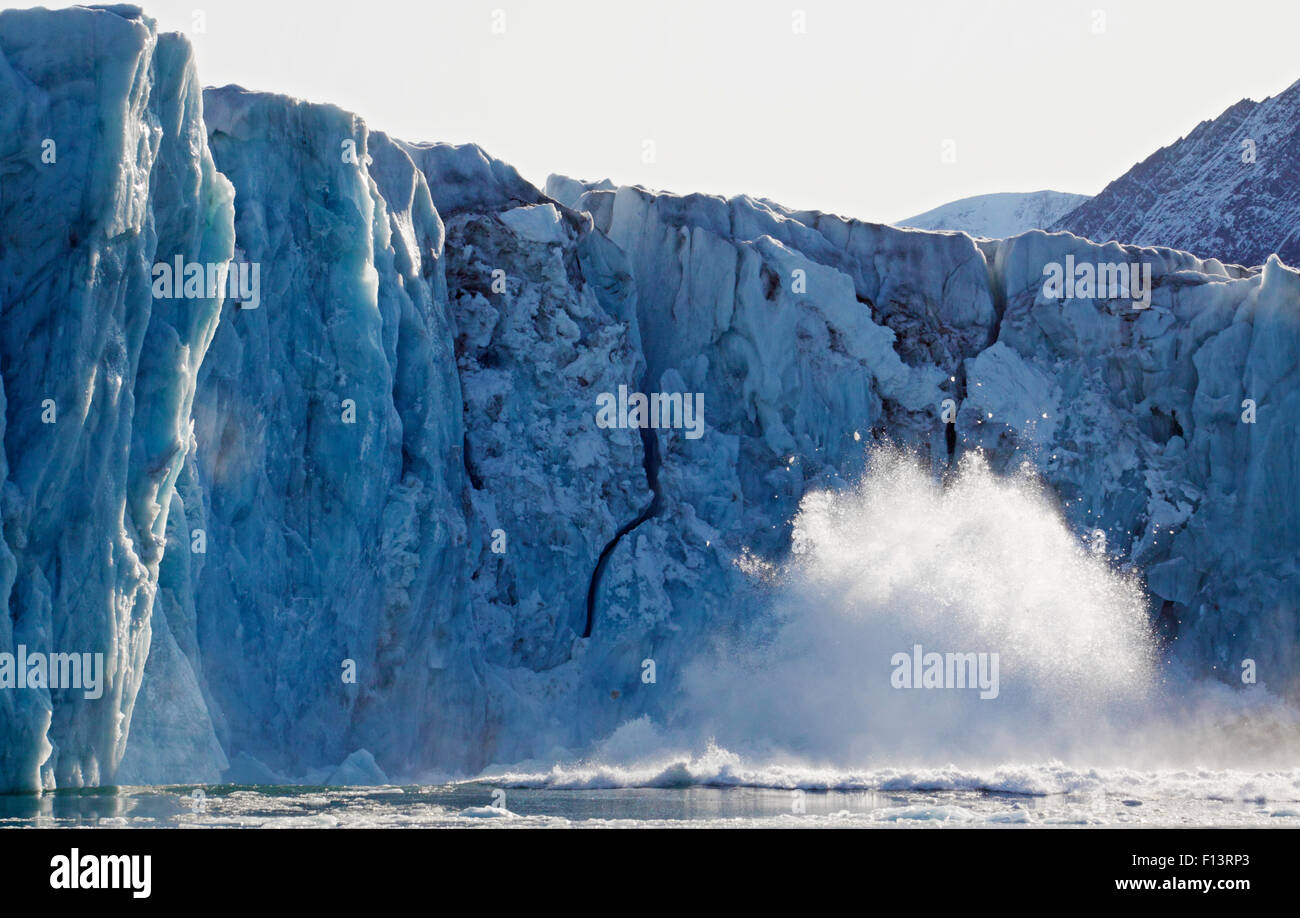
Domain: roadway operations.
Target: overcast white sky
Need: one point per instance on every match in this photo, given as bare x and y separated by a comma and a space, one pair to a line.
848, 117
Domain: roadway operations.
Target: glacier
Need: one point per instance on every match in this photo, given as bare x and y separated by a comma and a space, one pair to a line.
358, 532
99, 378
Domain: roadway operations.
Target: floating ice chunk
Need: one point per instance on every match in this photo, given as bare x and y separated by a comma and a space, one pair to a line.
358, 769
487, 812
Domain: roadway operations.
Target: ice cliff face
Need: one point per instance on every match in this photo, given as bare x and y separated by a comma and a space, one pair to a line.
360, 523
998, 216
545, 319
1166, 428
1139, 419
331, 493
101, 178
1230, 189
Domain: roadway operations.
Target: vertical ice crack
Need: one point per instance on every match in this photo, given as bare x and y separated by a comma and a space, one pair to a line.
650, 450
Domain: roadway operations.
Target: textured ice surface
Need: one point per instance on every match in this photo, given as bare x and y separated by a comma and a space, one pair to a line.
1143, 436
393, 461
333, 485
86, 498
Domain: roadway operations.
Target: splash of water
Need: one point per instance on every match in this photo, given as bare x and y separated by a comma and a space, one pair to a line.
983, 565
979, 564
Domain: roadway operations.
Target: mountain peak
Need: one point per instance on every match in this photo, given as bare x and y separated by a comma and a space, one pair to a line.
998, 216
1229, 189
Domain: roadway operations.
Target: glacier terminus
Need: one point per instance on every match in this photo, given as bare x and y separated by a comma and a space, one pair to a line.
356, 460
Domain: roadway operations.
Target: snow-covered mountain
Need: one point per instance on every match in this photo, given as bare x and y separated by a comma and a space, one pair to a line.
368, 523
998, 216
1229, 190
